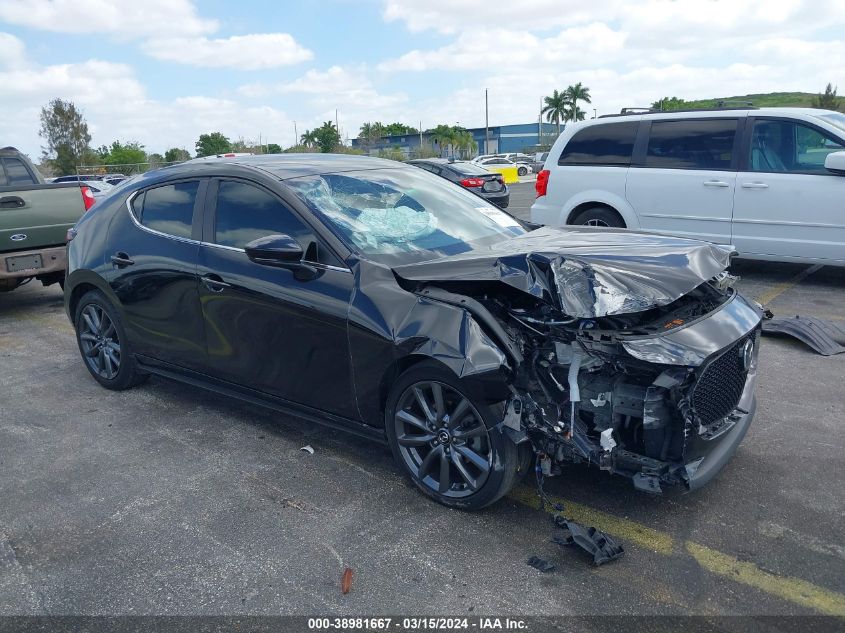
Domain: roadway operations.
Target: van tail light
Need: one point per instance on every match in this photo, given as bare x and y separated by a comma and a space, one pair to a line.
472, 182
88, 198
542, 183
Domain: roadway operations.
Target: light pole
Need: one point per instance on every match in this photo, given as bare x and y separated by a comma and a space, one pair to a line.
295, 135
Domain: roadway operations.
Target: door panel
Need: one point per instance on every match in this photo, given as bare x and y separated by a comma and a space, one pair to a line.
685, 183
786, 203
268, 328
154, 276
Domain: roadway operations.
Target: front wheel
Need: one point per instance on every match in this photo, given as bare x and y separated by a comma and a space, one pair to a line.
102, 343
522, 171
444, 440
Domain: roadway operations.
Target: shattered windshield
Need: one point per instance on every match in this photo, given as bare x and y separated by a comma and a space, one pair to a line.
403, 214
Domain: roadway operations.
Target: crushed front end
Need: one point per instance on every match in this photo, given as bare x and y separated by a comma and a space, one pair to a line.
627, 350
663, 397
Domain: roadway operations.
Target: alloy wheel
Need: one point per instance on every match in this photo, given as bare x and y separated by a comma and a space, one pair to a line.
443, 439
99, 341
596, 222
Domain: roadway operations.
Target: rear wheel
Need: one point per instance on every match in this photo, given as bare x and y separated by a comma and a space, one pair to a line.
442, 437
102, 343
599, 216
522, 171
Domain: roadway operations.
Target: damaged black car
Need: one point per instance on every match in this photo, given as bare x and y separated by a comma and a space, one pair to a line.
382, 300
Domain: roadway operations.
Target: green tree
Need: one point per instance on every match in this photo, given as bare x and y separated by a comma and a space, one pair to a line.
670, 103
444, 136
66, 134
827, 100
327, 137
129, 153
155, 160
399, 129
309, 138
176, 154
212, 144
274, 148
556, 108
464, 142
573, 95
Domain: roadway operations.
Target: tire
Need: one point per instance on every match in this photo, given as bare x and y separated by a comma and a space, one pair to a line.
599, 216
522, 171
460, 462
102, 343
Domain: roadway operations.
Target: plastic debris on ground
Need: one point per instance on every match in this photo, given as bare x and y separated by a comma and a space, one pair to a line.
599, 545
346, 581
541, 564
307, 449
824, 337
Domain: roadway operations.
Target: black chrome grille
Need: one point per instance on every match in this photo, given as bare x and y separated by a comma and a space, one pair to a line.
719, 388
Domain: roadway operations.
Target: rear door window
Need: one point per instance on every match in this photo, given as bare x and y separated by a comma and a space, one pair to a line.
17, 173
604, 144
692, 144
170, 208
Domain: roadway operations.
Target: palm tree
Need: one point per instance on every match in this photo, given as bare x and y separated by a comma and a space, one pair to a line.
444, 136
465, 142
555, 108
573, 95
309, 138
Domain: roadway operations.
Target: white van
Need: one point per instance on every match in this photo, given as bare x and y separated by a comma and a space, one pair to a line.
770, 181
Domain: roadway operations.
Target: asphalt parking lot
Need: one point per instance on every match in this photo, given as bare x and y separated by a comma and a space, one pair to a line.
169, 500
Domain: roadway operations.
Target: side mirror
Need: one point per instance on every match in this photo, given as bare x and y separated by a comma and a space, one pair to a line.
835, 162
275, 250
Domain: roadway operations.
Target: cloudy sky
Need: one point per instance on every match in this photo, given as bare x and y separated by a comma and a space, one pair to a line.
164, 71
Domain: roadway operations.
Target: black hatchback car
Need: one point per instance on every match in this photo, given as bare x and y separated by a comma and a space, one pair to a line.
379, 299
470, 176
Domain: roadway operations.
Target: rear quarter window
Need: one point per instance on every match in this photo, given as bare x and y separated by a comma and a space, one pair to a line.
603, 144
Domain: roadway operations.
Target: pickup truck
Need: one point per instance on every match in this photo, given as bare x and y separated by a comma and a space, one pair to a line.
34, 221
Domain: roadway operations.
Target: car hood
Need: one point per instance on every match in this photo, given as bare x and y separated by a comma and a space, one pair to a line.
584, 272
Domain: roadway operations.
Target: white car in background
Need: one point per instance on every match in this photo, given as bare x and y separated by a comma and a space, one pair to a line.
769, 181
497, 162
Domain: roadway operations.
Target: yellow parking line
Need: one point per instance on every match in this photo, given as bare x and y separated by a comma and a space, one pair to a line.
795, 590
632, 532
779, 289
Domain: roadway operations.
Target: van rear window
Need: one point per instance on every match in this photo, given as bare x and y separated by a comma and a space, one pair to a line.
601, 144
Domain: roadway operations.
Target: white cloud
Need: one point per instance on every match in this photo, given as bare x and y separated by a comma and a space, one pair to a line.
158, 18
451, 16
116, 106
12, 51
247, 52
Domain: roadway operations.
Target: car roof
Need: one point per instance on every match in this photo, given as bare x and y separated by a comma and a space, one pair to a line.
708, 113
284, 166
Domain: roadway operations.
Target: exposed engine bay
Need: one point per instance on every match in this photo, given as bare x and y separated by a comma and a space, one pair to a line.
581, 396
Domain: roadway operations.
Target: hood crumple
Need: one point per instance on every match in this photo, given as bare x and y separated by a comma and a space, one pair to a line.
585, 272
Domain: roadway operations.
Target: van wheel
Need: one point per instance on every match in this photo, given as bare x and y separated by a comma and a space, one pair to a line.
599, 216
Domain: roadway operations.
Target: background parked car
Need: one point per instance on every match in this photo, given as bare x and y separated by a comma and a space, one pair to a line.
98, 188
472, 177
770, 181
78, 178
498, 162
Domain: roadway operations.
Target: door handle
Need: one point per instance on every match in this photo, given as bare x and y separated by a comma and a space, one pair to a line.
215, 283
715, 183
121, 260
12, 202
754, 185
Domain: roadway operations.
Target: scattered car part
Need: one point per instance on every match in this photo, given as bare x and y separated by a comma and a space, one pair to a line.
820, 335
541, 565
599, 545
307, 449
